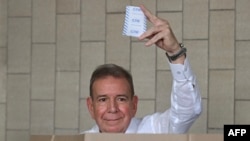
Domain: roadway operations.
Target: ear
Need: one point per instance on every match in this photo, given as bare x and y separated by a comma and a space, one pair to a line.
134, 104
90, 106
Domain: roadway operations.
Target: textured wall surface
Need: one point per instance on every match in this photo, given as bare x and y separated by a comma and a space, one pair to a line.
49, 48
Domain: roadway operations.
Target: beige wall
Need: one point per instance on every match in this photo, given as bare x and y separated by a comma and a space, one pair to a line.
48, 49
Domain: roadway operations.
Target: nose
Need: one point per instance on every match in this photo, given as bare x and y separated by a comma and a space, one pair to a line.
113, 107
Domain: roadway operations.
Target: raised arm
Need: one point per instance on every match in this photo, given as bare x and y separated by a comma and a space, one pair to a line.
186, 103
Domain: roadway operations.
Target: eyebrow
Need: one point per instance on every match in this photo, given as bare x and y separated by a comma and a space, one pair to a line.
102, 95
123, 95
119, 95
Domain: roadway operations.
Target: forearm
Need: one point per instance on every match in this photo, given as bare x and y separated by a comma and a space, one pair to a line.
185, 98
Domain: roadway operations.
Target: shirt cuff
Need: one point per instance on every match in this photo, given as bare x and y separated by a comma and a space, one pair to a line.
181, 72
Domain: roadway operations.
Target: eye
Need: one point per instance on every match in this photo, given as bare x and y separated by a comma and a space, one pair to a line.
102, 99
122, 99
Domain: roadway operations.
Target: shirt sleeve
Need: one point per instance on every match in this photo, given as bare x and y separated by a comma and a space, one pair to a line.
186, 103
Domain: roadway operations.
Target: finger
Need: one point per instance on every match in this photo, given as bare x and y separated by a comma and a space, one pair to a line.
155, 39
148, 38
151, 17
152, 31
149, 33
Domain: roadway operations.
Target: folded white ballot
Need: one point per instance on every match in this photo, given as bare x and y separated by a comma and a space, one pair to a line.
135, 22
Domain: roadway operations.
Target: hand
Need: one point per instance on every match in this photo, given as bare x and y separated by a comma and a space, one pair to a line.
160, 34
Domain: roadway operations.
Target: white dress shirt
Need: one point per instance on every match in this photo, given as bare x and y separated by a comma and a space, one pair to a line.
185, 107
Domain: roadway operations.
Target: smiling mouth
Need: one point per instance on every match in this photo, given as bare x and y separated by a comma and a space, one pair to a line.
112, 119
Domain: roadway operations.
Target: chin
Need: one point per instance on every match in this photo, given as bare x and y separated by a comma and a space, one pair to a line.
114, 131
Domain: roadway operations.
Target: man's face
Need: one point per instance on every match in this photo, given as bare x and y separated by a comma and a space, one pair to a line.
112, 106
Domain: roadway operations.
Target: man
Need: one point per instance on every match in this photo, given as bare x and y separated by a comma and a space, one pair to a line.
113, 105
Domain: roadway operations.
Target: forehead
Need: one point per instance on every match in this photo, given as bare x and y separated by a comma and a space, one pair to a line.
111, 85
